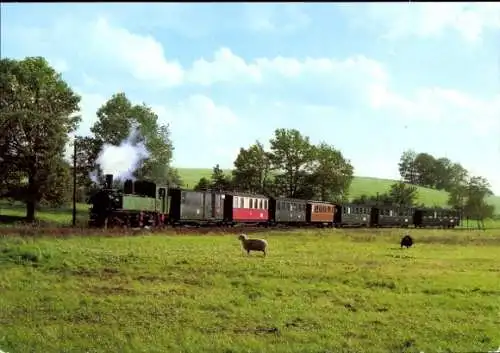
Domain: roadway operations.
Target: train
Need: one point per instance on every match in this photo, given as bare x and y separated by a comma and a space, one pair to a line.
142, 203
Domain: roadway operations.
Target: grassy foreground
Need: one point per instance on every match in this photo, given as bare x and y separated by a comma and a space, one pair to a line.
317, 291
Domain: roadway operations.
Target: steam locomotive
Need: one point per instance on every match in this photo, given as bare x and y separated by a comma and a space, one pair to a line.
142, 203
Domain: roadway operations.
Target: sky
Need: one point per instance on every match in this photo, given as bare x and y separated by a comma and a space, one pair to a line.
371, 79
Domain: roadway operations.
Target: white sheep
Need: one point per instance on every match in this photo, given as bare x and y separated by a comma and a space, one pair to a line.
253, 244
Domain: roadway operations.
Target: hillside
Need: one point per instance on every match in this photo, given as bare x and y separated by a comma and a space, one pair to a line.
360, 185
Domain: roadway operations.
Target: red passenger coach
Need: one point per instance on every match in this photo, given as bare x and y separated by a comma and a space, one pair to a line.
246, 208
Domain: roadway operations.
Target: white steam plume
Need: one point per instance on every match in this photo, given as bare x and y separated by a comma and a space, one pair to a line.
122, 160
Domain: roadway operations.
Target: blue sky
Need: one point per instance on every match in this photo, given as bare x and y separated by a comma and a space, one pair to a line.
372, 79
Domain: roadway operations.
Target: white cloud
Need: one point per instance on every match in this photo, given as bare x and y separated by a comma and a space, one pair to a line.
199, 112
275, 18
229, 67
439, 105
89, 104
143, 56
469, 20
366, 80
202, 128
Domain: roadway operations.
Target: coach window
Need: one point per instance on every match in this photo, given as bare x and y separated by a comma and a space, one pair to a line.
235, 202
260, 204
242, 202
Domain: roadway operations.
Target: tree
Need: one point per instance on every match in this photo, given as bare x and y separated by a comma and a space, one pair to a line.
425, 167
87, 151
442, 174
203, 184
113, 120
403, 194
36, 115
293, 155
332, 174
407, 167
220, 181
251, 169
118, 116
470, 198
458, 175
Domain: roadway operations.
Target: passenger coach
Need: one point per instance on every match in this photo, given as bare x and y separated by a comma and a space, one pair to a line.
321, 213
287, 211
245, 208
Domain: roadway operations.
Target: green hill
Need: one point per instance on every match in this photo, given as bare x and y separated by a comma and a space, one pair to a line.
360, 185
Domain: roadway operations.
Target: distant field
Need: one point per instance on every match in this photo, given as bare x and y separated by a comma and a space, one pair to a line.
360, 185
317, 291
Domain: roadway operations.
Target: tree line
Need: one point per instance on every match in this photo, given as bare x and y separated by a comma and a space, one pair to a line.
293, 167
467, 192
39, 111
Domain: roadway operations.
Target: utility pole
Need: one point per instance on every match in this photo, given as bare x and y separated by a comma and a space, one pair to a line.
74, 181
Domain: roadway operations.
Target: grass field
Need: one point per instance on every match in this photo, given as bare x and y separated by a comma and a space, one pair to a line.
360, 185
317, 291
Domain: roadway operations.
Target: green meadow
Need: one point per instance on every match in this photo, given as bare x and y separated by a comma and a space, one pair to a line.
316, 291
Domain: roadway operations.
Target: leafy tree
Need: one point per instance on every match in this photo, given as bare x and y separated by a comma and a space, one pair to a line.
448, 174
407, 168
87, 151
220, 181
203, 184
332, 174
403, 194
36, 115
117, 117
458, 175
442, 174
425, 170
363, 199
114, 120
293, 155
425, 167
470, 198
251, 169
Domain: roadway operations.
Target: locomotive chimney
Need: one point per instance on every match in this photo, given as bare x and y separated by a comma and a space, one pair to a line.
109, 181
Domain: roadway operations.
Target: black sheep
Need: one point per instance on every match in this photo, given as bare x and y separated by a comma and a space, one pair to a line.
406, 241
